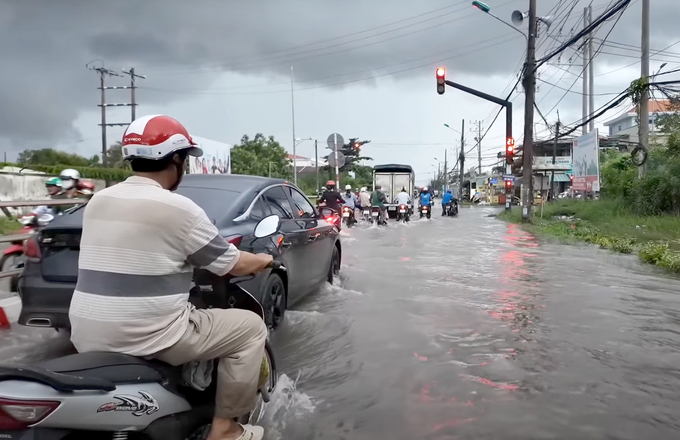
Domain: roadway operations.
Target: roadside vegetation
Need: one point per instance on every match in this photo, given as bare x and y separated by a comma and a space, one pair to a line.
634, 215
7, 226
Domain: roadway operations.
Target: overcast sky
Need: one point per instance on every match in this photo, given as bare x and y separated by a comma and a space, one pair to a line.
362, 68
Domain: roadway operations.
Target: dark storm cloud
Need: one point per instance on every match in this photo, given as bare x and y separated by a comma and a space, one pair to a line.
46, 44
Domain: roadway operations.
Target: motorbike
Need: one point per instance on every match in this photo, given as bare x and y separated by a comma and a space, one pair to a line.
13, 257
331, 216
403, 214
426, 211
99, 395
377, 216
348, 216
451, 209
366, 213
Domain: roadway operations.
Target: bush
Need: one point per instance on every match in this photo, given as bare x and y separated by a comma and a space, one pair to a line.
112, 174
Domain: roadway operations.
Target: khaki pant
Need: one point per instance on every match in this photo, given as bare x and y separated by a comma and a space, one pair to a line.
235, 337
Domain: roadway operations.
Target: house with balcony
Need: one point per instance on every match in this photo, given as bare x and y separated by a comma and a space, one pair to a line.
625, 126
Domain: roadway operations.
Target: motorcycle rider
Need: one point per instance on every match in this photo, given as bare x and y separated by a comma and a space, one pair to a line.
378, 199
350, 201
139, 243
364, 198
447, 199
403, 198
425, 197
331, 197
53, 187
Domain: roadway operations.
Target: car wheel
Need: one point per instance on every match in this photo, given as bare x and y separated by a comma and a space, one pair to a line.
334, 268
274, 301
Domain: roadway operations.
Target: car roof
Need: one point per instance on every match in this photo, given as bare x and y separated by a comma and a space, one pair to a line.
229, 182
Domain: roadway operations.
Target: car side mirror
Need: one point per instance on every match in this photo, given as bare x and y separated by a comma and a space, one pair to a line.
267, 226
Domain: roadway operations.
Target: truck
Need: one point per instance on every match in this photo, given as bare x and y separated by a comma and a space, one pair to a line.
392, 178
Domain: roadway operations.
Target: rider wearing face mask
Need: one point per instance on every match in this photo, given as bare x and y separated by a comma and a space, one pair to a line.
139, 245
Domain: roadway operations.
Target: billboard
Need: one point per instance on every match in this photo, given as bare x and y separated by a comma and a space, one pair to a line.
562, 163
587, 162
216, 157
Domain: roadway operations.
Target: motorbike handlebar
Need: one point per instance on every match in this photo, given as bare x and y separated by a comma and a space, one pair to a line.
276, 265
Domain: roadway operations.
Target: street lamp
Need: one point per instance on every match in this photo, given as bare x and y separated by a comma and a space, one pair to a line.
297, 142
451, 128
486, 9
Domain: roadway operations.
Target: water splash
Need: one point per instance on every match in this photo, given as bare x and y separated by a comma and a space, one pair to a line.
287, 404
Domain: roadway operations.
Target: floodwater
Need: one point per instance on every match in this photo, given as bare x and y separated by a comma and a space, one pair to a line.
470, 328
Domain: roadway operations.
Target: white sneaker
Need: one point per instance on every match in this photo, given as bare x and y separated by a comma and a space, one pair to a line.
252, 432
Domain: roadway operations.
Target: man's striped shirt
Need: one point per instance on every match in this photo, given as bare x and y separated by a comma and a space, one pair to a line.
139, 245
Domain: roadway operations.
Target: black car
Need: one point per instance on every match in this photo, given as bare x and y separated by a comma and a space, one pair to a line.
306, 245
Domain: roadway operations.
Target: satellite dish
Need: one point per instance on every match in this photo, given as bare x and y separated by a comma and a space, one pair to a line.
518, 17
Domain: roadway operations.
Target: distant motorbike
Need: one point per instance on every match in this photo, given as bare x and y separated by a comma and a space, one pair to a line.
348, 216
366, 213
451, 209
426, 211
403, 214
13, 257
377, 216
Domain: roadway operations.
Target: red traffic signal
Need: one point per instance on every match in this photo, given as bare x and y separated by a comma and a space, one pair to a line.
509, 150
508, 184
441, 80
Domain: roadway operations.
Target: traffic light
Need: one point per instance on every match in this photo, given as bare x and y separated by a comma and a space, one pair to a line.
508, 185
441, 80
509, 150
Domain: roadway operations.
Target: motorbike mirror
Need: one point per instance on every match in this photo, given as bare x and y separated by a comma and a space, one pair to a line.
267, 226
45, 219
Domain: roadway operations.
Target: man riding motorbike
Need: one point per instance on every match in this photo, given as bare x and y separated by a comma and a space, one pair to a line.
139, 243
447, 199
350, 201
425, 198
331, 197
378, 199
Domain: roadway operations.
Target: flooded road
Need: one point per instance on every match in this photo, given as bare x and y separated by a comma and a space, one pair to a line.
470, 328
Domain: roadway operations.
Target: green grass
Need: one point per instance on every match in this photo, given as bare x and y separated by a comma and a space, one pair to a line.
8, 226
610, 226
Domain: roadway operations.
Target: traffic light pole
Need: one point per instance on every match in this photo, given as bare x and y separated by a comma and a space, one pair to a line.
508, 125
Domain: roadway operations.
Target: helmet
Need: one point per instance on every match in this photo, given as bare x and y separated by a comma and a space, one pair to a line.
54, 181
425, 188
448, 191
348, 187
363, 189
156, 137
330, 184
86, 185
69, 178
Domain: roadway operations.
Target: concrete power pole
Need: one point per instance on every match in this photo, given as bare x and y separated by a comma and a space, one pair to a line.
591, 73
446, 179
479, 145
461, 162
584, 128
530, 96
644, 99
133, 102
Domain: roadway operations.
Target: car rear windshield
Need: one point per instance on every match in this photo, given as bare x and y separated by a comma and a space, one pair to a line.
215, 202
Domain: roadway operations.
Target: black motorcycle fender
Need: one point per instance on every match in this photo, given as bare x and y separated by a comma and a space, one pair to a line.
179, 426
36, 434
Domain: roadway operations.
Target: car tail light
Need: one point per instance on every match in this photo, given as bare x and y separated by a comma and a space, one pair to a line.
235, 240
17, 415
31, 248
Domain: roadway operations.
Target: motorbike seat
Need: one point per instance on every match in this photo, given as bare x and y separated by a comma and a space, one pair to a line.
115, 368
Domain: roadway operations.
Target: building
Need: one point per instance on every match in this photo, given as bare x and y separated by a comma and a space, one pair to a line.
625, 127
305, 165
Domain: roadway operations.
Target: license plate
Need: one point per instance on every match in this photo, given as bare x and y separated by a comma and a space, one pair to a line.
392, 208
345, 214
375, 214
424, 211
366, 212
402, 211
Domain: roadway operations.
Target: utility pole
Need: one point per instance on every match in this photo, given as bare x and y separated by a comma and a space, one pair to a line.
292, 107
133, 102
584, 129
479, 145
461, 161
316, 162
446, 153
644, 99
591, 73
551, 191
529, 92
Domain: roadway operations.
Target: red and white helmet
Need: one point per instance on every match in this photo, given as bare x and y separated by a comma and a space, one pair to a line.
156, 137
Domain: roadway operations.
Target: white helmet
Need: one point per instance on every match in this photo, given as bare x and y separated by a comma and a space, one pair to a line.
69, 178
363, 189
156, 137
348, 187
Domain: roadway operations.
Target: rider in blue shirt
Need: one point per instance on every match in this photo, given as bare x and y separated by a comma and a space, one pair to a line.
447, 198
425, 197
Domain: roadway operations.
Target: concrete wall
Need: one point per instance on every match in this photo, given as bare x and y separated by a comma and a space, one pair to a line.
27, 185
